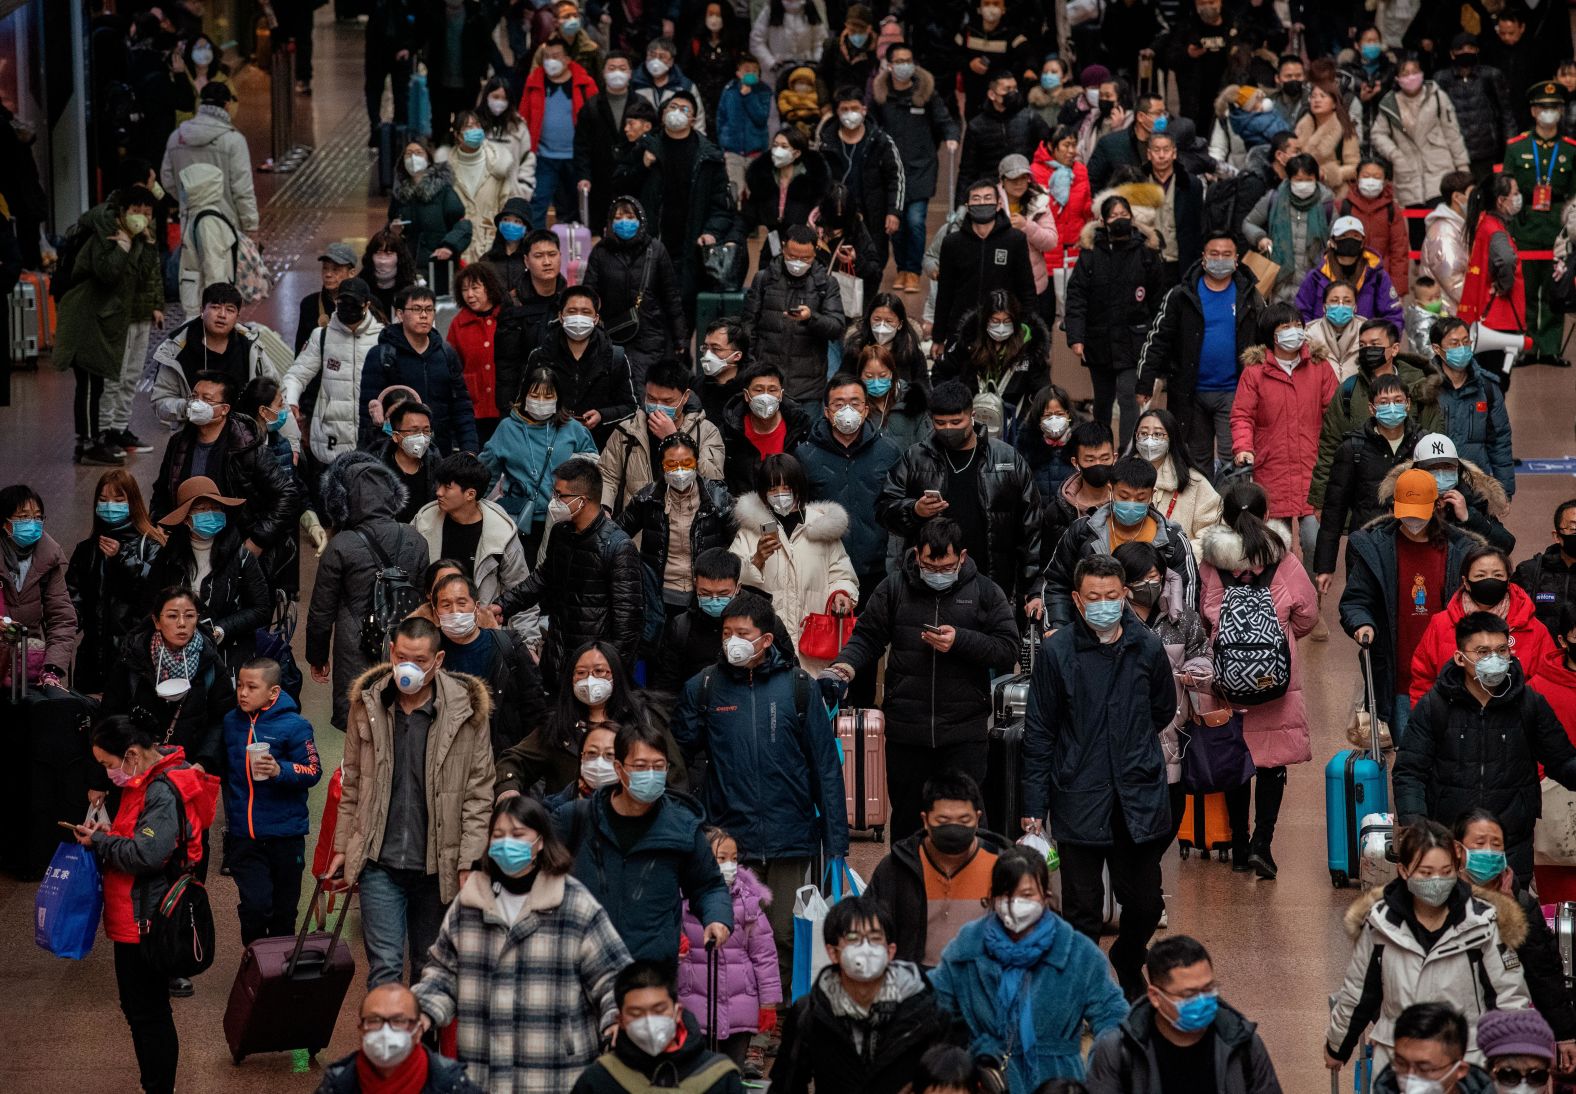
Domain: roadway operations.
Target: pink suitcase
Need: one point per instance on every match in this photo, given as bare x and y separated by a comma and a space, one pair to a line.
862, 734
574, 243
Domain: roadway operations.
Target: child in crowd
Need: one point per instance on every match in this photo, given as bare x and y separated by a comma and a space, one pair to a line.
742, 114
798, 103
1428, 304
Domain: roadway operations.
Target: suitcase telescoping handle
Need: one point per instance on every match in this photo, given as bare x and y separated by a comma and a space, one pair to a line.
585, 217
713, 980
306, 925
18, 661
1365, 662
432, 277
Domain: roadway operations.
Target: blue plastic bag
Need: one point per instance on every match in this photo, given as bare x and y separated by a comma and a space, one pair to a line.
809, 913
69, 902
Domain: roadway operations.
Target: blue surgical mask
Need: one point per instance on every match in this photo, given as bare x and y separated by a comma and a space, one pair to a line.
1370, 51
1390, 414
1484, 866
279, 420
657, 408
1197, 1012
511, 230
1340, 314
512, 855
941, 581
1050, 81
1160, 124
713, 605
113, 513
878, 386
1129, 513
207, 525
1446, 480
388, 429
626, 229
474, 136
1458, 357
1102, 615
858, 40
647, 786
26, 531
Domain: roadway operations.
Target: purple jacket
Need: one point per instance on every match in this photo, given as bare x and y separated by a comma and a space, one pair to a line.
748, 977
1376, 298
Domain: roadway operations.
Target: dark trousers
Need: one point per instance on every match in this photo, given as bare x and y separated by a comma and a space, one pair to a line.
862, 692
1116, 388
90, 391
145, 1001
908, 769
295, 24
446, 103
1268, 789
268, 874
379, 64
1135, 879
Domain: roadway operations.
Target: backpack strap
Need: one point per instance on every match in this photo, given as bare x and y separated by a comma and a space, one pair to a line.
1480, 971
377, 552
1348, 387
801, 692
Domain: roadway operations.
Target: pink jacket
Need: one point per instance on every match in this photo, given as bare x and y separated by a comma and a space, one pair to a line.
1039, 226
748, 978
43, 604
1277, 418
1276, 732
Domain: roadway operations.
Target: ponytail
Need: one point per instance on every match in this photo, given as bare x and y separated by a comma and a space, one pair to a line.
1244, 507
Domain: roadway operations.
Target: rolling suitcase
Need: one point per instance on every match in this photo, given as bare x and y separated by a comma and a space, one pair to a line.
1376, 846
1205, 826
1003, 789
1354, 786
445, 305
26, 324
574, 242
862, 735
1561, 919
288, 990
46, 306
391, 146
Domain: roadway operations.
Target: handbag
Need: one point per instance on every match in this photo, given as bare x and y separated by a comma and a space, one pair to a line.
851, 289
811, 903
824, 635
179, 939
625, 329
525, 519
1215, 756
723, 267
1365, 714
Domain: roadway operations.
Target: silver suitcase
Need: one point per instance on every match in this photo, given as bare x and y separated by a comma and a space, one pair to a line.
1010, 694
26, 321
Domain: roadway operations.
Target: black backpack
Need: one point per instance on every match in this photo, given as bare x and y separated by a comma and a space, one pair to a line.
1221, 201
71, 245
1252, 657
394, 596
179, 942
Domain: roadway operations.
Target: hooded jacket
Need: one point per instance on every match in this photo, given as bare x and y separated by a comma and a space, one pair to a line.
1363, 461
434, 373
638, 276
275, 807
338, 354
185, 353
796, 346
851, 475
1176, 337
241, 466
435, 213
1124, 1061
899, 884
935, 700
1013, 375
917, 121
1376, 293
1445, 253
747, 977
107, 592
96, 309
1277, 418
1476, 419
210, 137
1091, 535
1352, 407
688, 1065
361, 497
812, 567
647, 516
500, 560
1530, 642
1113, 296
523, 454
1424, 152
972, 267
208, 242
1547, 579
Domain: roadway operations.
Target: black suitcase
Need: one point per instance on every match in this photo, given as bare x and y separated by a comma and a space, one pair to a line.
391, 146
1003, 787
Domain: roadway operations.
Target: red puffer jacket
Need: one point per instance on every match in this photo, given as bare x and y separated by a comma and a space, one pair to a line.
1277, 418
1529, 642
474, 337
1556, 682
1384, 230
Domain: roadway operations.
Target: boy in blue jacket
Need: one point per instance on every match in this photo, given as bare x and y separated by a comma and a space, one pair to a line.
742, 113
265, 799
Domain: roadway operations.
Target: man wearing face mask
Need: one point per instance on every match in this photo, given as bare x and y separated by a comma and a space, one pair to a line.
691, 639
556, 91
657, 1038
392, 1059
333, 362
408, 452
418, 789
1477, 738
1005, 125
864, 158
905, 100
211, 137
1543, 163
599, 134
640, 847
945, 629
1128, 147
412, 353
869, 1018
982, 255
1548, 577
1468, 496
630, 461
214, 340
1471, 404
463, 525
792, 313
694, 205
1180, 1035
724, 348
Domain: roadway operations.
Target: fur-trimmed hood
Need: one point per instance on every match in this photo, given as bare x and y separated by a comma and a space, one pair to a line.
427, 187
924, 86
1146, 232
1147, 195
1311, 355
472, 688
357, 488
1477, 481
1512, 921
1226, 100
1221, 547
1039, 98
824, 521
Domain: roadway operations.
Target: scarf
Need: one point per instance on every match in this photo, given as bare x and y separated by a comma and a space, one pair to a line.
1502, 609
408, 1078
1281, 232
168, 663
1013, 996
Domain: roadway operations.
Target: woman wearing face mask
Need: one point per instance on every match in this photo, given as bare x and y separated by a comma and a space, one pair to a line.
897, 407
424, 197
33, 588
633, 273
1422, 938
678, 516
1058, 169
508, 131
783, 185
474, 336
200, 63
387, 268
1291, 224
1182, 491
596, 766
165, 808
537, 435
1024, 981
792, 548
539, 1012
482, 175
1001, 350
716, 41
749, 986
1334, 333
491, 654
333, 361
263, 400
1370, 68
1245, 549
1493, 292
1373, 201
1326, 132
1054, 90
886, 324
785, 33
1364, 461
108, 575
1112, 297
1043, 435
1444, 254
1415, 130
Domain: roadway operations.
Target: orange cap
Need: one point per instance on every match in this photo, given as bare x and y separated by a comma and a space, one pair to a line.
1415, 494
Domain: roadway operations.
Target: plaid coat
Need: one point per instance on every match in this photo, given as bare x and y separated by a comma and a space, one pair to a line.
530, 1000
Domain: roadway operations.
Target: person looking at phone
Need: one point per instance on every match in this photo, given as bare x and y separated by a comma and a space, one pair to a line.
793, 312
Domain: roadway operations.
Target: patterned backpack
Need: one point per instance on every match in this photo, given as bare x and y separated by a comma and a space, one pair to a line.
1252, 657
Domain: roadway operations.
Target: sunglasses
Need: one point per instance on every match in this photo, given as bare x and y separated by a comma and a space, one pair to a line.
1510, 1076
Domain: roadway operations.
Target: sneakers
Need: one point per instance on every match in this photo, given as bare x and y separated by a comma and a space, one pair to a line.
97, 454
129, 441
107, 440
754, 1062
180, 987
303, 87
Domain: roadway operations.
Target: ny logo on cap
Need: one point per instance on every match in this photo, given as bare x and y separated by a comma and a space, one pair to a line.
1439, 448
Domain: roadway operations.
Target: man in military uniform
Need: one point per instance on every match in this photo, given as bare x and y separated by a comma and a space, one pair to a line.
1543, 163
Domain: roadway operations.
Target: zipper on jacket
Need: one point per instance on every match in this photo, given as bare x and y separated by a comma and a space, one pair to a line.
935, 620
251, 735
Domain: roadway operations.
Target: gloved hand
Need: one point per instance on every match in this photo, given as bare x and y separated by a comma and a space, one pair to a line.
833, 687
316, 534
766, 1021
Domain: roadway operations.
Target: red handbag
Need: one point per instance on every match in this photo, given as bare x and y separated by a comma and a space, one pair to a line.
824, 635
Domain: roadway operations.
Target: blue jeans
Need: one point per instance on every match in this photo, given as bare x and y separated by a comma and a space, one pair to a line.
908, 242
1403, 714
396, 905
555, 186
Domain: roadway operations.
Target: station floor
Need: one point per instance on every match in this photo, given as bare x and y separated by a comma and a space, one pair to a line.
1278, 946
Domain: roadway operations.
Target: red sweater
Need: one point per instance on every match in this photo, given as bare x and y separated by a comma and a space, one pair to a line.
1384, 231
473, 337
1529, 643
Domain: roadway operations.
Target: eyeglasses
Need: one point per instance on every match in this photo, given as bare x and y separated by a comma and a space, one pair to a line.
1403, 1068
647, 765
1153, 435
418, 310
414, 432
1535, 1077
374, 1022
853, 938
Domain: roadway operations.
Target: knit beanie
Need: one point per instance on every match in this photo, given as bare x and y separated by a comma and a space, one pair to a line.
1514, 1033
1245, 95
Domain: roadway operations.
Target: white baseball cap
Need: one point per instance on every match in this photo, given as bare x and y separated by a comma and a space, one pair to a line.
1434, 448
1344, 225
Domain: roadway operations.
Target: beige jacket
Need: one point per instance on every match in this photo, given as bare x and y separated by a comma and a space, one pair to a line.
1422, 153
459, 776
1340, 346
1196, 508
1337, 158
626, 457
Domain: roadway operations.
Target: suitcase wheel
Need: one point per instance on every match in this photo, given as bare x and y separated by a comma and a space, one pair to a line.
237, 1057
1187, 850
879, 832
1338, 878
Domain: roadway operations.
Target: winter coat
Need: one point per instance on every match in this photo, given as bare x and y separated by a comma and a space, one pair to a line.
589, 585
1483, 106
917, 120
1181, 629
645, 885
1242, 1063
1530, 642
639, 277
444, 1076
1384, 231
241, 466
1015, 376
96, 309
764, 195
972, 267
234, 598
1424, 152
1112, 151
1194, 509
1113, 296
1303, 248
513, 142
747, 976
1389, 969
1337, 344
899, 884
598, 379
1091, 535
195, 722
475, 338
1362, 463
361, 497
209, 236
709, 210
500, 559
626, 456
519, 332
1007, 495
546, 978
689, 1064
435, 212
851, 475
741, 457
457, 783
108, 595
1445, 253
1277, 732
797, 346
1351, 409
1547, 579
741, 119
935, 700
41, 602
1277, 418
880, 189
434, 373
513, 682
275, 807
1091, 738
819, 1046
775, 782
690, 642
807, 572
1376, 293
1476, 419
1176, 337
524, 453
1069, 987
795, 38
338, 355
646, 516
482, 180
1556, 682
212, 138
598, 141
1047, 460
184, 354
533, 103
1337, 153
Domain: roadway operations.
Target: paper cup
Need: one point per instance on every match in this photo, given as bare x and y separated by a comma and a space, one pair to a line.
253, 751
174, 688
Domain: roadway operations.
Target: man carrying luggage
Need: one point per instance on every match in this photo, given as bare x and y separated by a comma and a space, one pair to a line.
391, 1058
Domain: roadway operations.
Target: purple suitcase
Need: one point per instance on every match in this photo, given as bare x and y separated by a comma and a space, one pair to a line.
574, 243
288, 990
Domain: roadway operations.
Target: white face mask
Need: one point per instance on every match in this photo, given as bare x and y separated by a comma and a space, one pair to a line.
1054, 425
558, 511
593, 691
764, 406
553, 67
579, 327
781, 502
415, 164
657, 67
1152, 448
617, 79
738, 651
1548, 117
199, 412
598, 773
1303, 188
409, 677
652, 1032
497, 106
729, 871
680, 479
999, 332
781, 157
852, 119
863, 961
847, 421
796, 267
1370, 187
387, 1047
711, 364
1416, 1084
675, 120
884, 332
457, 624
1092, 96
1415, 525
1290, 339
415, 445
1019, 913
541, 409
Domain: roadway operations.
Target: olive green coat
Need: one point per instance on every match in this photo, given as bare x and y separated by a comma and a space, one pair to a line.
108, 280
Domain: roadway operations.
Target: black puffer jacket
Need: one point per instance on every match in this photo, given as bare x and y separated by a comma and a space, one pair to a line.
1026, 370
879, 189
1091, 535
1007, 494
1482, 101
621, 272
241, 466
646, 516
991, 135
519, 705
1112, 298
108, 594
971, 268
1549, 582
1176, 337
935, 699
597, 380
435, 374
740, 457
805, 191
690, 642
917, 121
520, 330
797, 346
198, 719
234, 597
1363, 460
590, 586
899, 884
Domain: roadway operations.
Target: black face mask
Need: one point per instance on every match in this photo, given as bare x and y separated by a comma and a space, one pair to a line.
1106, 106
982, 214
954, 438
952, 839
1010, 102
1098, 476
350, 312
1465, 61
1145, 594
1119, 229
1348, 248
1568, 545
1292, 89
1487, 591
1370, 359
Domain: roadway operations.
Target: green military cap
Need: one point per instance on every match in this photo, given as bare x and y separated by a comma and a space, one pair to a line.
1545, 91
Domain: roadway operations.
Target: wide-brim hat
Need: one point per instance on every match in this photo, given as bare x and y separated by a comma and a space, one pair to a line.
191, 491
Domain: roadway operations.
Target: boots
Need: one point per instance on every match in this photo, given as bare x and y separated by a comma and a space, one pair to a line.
1269, 791
1321, 631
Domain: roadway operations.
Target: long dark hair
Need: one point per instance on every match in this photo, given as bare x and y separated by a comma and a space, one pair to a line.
812, 14
566, 726
985, 353
496, 124
1181, 460
1484, 199
1244, 507
904, 346
388, 239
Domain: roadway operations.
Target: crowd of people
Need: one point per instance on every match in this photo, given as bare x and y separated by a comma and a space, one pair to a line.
606, 540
